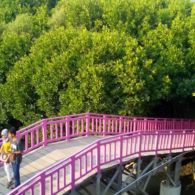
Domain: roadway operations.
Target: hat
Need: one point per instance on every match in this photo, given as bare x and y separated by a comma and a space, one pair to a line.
4, 133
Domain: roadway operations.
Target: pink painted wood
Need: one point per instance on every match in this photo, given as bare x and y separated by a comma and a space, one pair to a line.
102, 153
66, 127
63, 128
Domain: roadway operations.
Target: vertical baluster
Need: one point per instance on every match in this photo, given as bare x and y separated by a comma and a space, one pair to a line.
120, 124
51, 132
166, 141
58, 180
67, 128
87, 122
98, 157
32, 190
56, 129
43, 184
65, 182
72, 172
100, 125
104, 125
92, 159
77, 126
127, 146
121, 149
171, 139
112, 125
140, 144
80, 166
108, 125
105, 153
157, 142
110, 152
51, 184
73, 126
32, 138
134, 124
61, 130
116, 129
44, 132
145, 124
81, 126
37, 137
160, 136
115, 150
96, 125
153, 141
86, 163
92, 126
131, 145
26, 141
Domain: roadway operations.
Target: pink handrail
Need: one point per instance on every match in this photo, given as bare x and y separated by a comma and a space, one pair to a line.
66, 127
65, 174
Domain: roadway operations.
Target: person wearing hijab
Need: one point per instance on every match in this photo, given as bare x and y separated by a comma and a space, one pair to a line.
5, 151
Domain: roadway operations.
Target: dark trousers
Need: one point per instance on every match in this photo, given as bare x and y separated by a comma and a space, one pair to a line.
16, 170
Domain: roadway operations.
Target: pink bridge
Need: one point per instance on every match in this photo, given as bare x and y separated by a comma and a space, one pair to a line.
97, 141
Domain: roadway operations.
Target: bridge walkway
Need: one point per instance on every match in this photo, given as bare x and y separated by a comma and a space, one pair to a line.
43, 157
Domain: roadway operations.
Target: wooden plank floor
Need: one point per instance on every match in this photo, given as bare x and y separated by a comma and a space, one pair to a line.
45, 156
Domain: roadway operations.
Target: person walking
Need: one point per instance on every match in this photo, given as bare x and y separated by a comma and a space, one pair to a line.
16, 153
5, 151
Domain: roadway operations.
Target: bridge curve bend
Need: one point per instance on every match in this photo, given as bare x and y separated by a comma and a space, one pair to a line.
131, 138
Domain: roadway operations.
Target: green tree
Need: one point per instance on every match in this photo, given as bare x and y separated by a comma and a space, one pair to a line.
117, 56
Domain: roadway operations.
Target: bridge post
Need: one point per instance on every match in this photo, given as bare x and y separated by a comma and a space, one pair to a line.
177, 171
87, 124
184, 140
98, 184
120, 179
145, 124
44, 129
121, 125
43, 183
104, 125
98, 177
73, 172
98, 158
138, 170
67, 128
155, 124
134, 124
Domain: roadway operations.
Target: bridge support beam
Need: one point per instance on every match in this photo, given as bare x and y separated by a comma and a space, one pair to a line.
114, 182
74, 192
177, 171
172, 185
98, 184
138, 172
144, 177
120, 177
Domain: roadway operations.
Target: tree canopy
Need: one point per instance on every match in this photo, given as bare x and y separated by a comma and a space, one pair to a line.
112, 56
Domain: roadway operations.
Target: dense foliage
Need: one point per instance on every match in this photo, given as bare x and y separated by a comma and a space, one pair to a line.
133, 57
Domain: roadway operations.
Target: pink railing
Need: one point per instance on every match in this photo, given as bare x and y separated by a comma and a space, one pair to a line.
66, 127
66, 174
73, 169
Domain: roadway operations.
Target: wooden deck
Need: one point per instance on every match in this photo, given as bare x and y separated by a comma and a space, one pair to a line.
46, 156
43, 157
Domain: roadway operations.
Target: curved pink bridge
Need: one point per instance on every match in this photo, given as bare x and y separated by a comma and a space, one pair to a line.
77, 159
